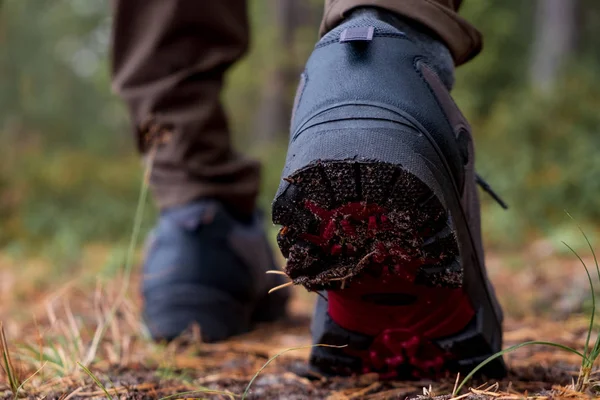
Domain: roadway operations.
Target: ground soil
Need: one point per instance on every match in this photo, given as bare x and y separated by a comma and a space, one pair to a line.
537, 296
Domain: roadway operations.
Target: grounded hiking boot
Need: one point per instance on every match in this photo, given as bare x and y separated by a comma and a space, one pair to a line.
202, 266
380, 211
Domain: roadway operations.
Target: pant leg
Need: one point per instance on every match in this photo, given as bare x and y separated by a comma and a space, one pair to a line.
169, 58
440, 16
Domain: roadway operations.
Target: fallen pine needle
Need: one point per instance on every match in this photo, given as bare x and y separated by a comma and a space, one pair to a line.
281, 286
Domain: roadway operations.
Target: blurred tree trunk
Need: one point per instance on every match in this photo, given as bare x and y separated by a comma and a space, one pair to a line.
277, 93
555, 34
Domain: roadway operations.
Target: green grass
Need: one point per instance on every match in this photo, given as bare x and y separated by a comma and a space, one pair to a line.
96, 380
7, 364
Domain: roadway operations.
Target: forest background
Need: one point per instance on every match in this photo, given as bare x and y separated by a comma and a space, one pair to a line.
69, 174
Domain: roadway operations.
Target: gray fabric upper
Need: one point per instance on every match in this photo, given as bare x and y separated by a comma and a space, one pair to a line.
378, 78
437, 53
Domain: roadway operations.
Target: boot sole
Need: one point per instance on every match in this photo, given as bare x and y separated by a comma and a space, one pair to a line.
351, 216
380, 240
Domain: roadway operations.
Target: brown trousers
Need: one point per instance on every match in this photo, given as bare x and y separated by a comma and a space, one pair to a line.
169, 58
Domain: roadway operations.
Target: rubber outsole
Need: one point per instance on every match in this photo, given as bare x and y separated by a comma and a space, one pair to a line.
383, 246
339, 217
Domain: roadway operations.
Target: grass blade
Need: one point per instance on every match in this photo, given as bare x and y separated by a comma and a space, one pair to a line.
583, 379
508, 350
96, 380
596, 347
28, 379
8, 367
137, 222
277, 355
129, 258
589, 244
591, 327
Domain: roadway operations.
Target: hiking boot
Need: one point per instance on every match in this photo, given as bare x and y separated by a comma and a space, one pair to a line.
203, 266
380, 212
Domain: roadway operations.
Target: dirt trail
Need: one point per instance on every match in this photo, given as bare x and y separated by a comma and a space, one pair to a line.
230, 366
131, 367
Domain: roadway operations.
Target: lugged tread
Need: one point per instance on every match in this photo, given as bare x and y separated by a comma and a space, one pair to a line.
396, 215
341, 175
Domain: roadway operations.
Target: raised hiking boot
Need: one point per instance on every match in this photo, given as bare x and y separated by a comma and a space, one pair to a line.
379, 212
203, 266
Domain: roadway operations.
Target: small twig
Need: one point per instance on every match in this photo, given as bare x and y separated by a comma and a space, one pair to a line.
343, 278
359, 266
74, 393
290, 283
373, 386
456, 383
276, 272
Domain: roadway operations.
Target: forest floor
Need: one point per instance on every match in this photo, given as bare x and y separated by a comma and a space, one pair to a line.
65, 344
